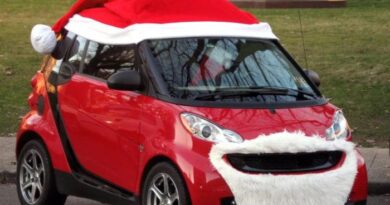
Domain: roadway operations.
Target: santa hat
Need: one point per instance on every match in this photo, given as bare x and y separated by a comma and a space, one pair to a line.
132, 21
44, 38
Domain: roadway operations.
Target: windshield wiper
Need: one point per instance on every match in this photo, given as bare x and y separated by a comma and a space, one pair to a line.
253, 91
232, 92
290, 91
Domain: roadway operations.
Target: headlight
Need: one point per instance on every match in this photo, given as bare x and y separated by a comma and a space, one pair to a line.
339, 128
207, 130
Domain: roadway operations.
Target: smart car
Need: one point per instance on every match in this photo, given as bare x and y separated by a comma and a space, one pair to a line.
178, 103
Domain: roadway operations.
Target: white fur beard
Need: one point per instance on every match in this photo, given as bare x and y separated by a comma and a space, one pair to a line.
327, 188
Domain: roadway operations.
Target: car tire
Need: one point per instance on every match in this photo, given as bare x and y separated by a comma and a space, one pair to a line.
35, 177
164, 186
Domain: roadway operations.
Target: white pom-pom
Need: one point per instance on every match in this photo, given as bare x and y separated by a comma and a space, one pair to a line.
43, 39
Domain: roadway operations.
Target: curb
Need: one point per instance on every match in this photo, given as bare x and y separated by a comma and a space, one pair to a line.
7, 177
378, 188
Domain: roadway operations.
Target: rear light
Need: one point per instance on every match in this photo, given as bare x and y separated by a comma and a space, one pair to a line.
34, 81
32, 101
35, 99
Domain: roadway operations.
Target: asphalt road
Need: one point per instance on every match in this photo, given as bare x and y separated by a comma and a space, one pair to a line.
8, 196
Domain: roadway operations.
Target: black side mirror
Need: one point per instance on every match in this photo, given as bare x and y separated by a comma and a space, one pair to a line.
125, 80
62, 46
314, 77
67, 70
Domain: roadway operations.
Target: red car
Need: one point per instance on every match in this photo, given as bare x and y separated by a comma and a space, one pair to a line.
203, 107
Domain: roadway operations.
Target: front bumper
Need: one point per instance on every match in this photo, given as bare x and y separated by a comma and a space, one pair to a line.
207, 186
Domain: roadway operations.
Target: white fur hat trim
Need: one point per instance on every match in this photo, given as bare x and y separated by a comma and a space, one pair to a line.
43, 39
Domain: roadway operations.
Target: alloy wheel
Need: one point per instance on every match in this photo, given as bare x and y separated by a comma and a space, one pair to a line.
32, 176
163, 191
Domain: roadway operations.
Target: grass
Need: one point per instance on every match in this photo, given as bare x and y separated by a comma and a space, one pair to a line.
348, 47
18, 62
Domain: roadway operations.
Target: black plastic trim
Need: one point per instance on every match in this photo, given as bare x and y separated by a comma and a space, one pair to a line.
41, 104
246, 105
298, 67
69, 184
357, 203
230, 201
150, 65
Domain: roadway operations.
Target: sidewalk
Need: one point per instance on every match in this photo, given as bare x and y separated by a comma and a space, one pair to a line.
7, 159
377, 160
378, 167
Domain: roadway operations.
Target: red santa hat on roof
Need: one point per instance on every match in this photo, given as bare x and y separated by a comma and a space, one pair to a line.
131, 21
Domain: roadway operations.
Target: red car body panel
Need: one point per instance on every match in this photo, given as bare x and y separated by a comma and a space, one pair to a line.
42, 125
103, 127
360, 188
127, 130
250, 123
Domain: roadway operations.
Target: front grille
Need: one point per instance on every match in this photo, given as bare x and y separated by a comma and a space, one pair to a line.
285, 162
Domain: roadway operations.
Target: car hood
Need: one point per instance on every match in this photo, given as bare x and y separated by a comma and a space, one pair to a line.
250, 123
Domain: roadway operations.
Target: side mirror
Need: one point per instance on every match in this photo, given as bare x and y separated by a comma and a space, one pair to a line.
64, 75
125, 80
314, 77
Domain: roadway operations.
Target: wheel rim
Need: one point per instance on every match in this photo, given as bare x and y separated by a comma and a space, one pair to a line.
32, 177
163, 191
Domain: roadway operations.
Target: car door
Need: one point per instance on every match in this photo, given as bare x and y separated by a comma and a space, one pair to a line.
102, 124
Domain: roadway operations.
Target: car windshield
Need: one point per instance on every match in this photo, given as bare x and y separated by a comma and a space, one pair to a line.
228, 69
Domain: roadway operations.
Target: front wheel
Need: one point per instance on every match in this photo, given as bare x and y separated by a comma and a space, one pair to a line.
164, 186
35, 178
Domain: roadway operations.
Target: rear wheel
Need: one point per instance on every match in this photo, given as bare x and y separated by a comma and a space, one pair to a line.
164, 186
35, 177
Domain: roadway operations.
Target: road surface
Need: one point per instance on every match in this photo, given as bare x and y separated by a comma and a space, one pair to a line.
8, 196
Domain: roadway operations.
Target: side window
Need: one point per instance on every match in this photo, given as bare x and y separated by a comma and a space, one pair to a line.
102, 60
76, 52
